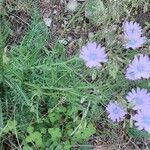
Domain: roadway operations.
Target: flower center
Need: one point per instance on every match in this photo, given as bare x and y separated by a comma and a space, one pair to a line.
115, 111
146, 120
131, 41
140, 68
139, 100
93, 56
132, 30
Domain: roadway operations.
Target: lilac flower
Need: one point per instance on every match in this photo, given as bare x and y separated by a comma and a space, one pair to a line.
143, 120
139, 68
93, 54
139, 97
116, 112
133, 35
132, 28
134, 41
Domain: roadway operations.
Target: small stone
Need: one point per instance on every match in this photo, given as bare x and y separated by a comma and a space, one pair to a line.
63, 41
69, 38
72, 5
55, 12
91, 35
48, 21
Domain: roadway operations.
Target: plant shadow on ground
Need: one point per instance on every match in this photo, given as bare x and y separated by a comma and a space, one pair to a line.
49, 98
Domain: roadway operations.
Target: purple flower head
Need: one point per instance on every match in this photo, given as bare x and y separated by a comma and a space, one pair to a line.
143, 120
133, 35
134, 41
139, 97
132, 28
116, 112
93, 54
139, 68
